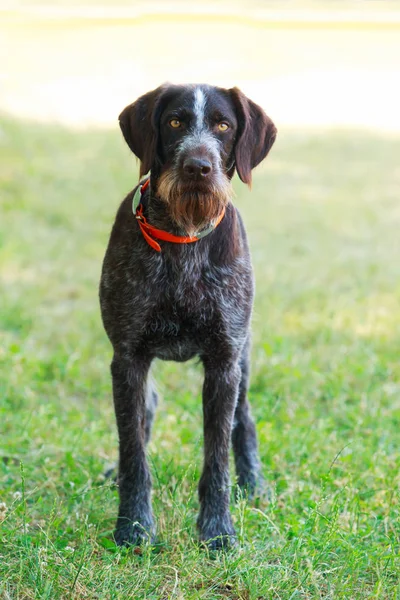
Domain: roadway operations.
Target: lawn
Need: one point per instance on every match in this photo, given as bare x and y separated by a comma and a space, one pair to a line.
323, 220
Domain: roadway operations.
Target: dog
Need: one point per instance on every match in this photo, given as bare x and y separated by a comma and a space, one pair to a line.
177, 282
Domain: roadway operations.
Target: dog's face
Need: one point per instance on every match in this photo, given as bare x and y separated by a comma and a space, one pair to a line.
192, 138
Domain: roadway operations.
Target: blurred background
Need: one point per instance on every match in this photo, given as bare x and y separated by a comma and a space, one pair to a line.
322, 63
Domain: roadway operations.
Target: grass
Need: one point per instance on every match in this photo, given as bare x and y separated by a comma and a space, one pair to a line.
323, 221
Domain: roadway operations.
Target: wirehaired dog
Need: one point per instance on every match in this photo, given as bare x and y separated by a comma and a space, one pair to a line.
177, 282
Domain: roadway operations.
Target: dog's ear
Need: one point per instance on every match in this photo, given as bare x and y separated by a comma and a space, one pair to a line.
139, 125
256, 134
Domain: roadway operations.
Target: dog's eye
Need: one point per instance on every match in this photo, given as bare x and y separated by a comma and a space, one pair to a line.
223, 126
175, 123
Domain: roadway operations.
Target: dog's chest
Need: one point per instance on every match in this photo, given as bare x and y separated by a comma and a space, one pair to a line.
171, 336
186, 309
176, 325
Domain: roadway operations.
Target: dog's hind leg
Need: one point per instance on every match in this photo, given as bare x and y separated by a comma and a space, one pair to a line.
151, 405
244, 440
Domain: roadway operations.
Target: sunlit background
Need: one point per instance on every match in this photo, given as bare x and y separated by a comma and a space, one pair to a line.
316, 64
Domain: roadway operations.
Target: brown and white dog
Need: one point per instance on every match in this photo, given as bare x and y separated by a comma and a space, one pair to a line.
177, 282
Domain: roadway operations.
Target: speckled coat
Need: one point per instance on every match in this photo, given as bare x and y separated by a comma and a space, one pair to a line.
187, 300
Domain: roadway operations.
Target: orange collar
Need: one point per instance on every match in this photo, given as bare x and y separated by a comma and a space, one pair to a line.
149, 232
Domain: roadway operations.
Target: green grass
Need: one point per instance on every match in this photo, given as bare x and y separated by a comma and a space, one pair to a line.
323, 220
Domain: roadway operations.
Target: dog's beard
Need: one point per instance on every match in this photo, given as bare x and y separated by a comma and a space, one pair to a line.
193, 209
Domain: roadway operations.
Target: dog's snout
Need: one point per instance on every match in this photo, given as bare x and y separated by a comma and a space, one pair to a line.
197, 168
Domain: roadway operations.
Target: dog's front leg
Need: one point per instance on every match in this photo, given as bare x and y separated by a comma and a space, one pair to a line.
220, 393
135, 521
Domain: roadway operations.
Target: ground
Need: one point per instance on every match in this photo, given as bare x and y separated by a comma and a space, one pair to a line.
323, 221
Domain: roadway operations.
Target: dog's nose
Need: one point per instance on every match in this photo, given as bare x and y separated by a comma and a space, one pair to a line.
197, 168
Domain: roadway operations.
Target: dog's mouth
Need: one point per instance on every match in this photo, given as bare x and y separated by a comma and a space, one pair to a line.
194, 205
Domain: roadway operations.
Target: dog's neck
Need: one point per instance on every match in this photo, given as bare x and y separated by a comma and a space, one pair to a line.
157, 213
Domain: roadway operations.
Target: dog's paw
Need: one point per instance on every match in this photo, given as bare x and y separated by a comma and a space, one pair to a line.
133, 534
217, 533
220, 542
252, 487
246, 488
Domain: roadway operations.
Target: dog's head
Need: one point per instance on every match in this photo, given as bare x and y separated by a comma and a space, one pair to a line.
192, 138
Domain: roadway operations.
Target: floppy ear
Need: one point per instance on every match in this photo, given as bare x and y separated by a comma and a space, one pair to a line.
139, 125
256, 134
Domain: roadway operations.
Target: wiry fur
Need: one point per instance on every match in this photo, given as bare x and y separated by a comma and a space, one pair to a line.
193, 209
189, 300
